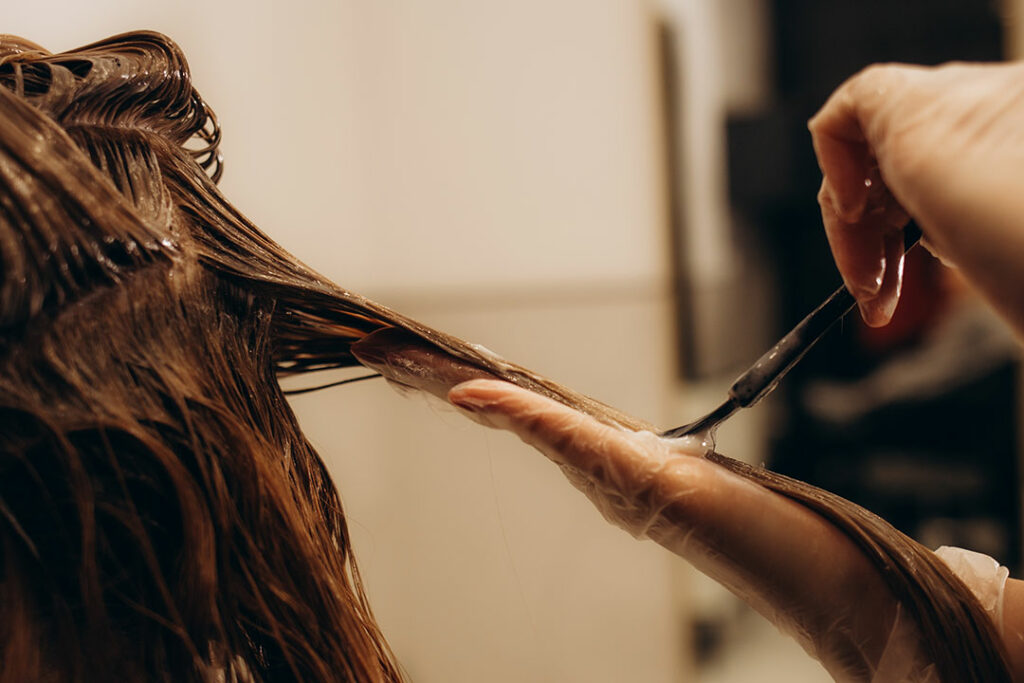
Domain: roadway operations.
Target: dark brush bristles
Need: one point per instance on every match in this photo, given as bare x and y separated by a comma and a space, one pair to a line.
162, 518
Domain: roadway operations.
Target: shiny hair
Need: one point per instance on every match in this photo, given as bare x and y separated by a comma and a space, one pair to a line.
162, 517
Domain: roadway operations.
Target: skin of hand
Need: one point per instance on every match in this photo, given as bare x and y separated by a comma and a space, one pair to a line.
786, 561
944, 145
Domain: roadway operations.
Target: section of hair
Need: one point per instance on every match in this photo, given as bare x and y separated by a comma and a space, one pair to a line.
161, 515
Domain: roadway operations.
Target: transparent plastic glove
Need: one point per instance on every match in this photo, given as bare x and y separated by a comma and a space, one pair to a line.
944, 145
983, 575
788, 563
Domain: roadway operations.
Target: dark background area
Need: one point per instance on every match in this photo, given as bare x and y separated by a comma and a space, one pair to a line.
940, 466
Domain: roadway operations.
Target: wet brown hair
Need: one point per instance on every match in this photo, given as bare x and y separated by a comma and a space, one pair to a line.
162, 516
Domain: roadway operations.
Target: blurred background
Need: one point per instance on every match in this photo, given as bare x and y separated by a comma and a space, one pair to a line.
619, 194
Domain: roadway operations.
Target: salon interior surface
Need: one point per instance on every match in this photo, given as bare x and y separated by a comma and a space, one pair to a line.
619, 194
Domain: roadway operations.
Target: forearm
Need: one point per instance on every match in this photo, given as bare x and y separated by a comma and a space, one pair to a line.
790, 564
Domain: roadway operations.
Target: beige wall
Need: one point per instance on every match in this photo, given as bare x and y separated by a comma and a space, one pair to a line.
494, 168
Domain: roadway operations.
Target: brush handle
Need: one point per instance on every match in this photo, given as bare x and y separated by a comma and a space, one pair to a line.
764, 375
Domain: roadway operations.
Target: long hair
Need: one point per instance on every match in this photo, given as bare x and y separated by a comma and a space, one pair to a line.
162, 517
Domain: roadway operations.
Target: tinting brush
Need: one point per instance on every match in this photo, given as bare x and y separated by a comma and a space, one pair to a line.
765, 374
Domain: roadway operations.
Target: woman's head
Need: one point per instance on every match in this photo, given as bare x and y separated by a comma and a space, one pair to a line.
161, 515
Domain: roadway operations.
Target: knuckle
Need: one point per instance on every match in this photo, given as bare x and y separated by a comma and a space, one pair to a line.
817, 123
868, 79
955, 66
881, 72
824, 195
877, 80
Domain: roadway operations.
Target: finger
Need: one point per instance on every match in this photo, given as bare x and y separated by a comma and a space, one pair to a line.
859, 253
566, 436
878, 311
848, 130
843, 154
869, 251
869, 254
862, 217
631, 477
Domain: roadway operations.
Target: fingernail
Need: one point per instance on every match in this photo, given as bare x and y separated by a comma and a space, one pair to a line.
475, 410
877, 312
468, 405
865, 275
867, 313
887, 309
478, 396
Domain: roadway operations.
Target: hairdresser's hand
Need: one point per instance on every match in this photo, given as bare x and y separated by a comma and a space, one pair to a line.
944, 145
787, 562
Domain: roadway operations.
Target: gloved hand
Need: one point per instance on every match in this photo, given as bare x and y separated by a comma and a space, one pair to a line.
790, 564
944, 145
787, 562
